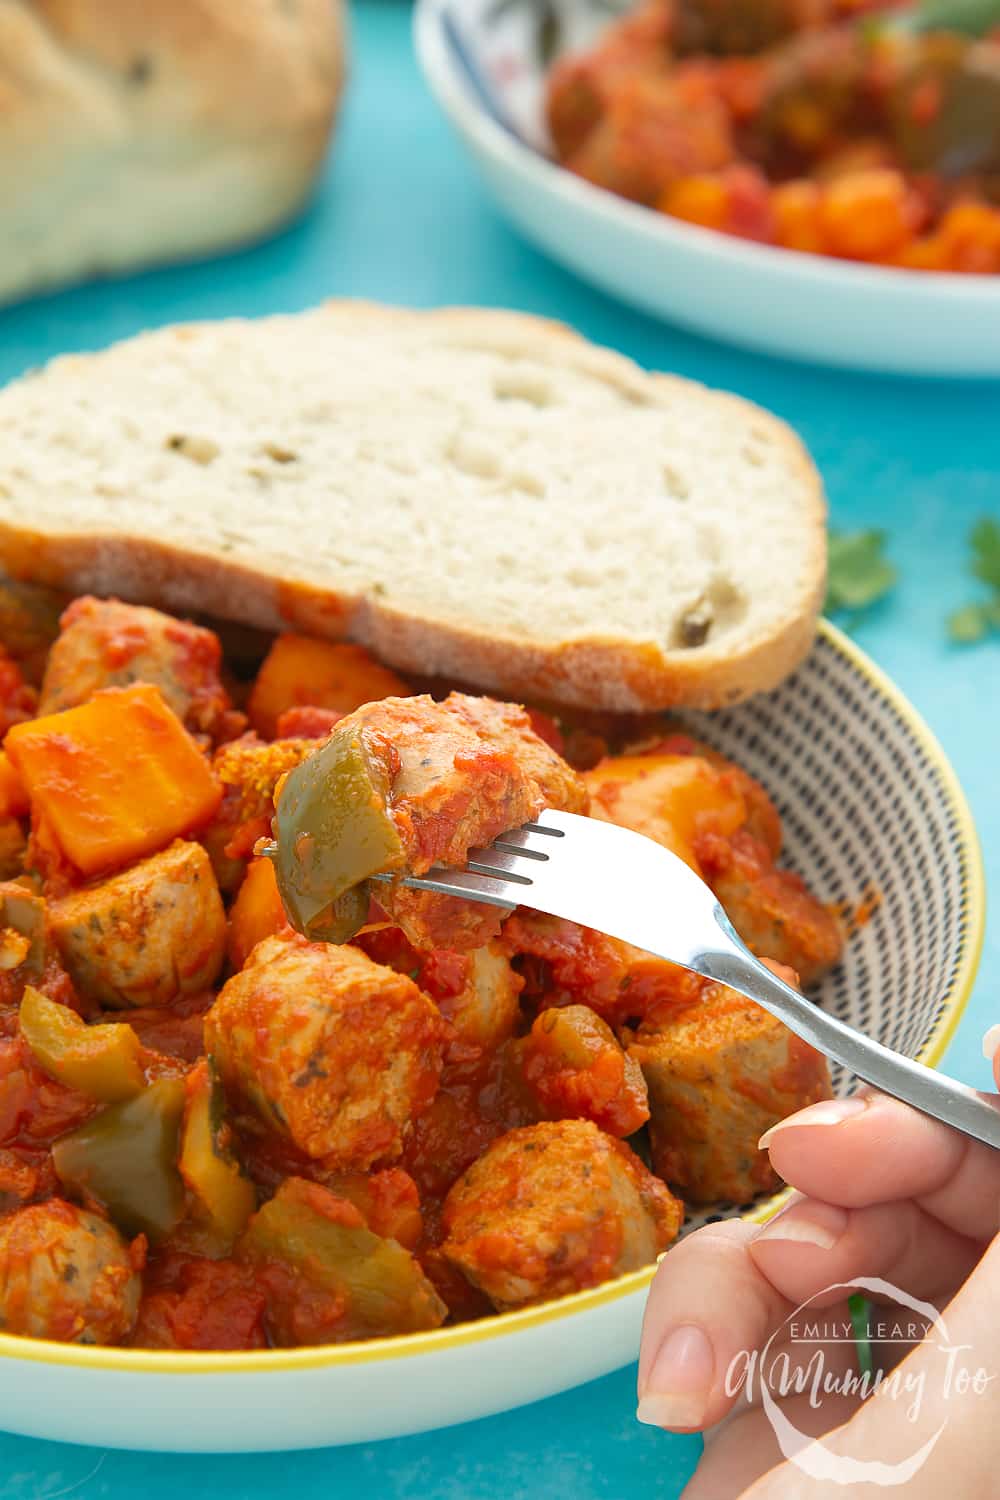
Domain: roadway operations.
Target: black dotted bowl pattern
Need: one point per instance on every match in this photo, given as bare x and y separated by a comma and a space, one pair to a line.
865, 809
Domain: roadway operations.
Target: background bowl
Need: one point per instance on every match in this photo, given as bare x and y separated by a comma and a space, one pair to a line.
481, 60
870, 805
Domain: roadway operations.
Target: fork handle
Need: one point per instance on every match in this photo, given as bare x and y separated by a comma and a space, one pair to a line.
966, 1109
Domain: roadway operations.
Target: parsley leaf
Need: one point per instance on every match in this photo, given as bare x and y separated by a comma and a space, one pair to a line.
859, 573
985, 543
975, 621
973, 17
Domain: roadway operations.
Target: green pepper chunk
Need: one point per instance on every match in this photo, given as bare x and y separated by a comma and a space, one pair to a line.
207, 1161
333, 831
382, 1289
731, 27
961, 134
125, 1159
103, 1062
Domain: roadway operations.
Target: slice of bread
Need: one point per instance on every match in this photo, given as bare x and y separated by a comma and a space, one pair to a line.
472, 494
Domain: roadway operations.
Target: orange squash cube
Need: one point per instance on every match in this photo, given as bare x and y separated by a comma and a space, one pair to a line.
797, 215
115, 779
13, 793
256, 913
699, 200
868, 215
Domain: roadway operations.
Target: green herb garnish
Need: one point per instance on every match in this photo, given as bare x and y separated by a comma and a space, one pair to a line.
973, 622
859, 573
859, 1308
973, 17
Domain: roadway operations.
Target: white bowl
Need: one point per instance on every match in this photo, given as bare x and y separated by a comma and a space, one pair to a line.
867, 799
781, 301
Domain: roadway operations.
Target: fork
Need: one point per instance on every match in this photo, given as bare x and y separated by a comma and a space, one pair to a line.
622, 883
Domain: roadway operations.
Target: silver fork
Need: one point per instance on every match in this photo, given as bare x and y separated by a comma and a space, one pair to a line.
624, 884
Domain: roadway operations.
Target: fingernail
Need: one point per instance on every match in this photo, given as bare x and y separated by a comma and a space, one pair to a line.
678, 1386
826, 1112
991, 1043
821, 1225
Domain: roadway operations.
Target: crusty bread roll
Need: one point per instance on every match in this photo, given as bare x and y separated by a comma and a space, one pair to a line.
475, 494
139, 131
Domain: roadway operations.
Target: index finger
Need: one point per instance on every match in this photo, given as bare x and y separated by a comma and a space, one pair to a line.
873, 1149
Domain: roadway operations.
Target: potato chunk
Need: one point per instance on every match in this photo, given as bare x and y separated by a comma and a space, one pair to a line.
104, 643
720, 1072
148, 935
552, 1208
256, 913
300, 671
669, 798
721, 821
333, 1051
65, 1274
762, 817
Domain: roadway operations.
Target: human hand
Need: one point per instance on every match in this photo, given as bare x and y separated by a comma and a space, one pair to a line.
883, 1192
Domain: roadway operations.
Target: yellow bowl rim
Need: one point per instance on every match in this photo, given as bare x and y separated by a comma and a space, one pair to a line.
400, 1346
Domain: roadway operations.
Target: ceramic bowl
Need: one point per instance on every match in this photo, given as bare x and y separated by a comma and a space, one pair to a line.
870, 807
484, 65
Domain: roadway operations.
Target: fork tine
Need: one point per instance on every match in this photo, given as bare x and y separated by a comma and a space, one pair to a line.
465, 884
497, 862
521, 843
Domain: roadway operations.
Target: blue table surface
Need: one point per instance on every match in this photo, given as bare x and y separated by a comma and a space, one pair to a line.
401, 216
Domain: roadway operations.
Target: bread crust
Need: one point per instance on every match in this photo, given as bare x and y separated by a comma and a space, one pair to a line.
598, 671
134, 133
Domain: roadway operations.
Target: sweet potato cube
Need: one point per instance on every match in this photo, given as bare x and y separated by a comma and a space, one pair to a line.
299, 670
115, 779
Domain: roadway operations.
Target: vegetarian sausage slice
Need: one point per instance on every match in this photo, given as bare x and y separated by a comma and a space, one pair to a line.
104, 643
333, 1051
773, 910
401, 785
65, 1274
148, 935
552, 1208
720, 1072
